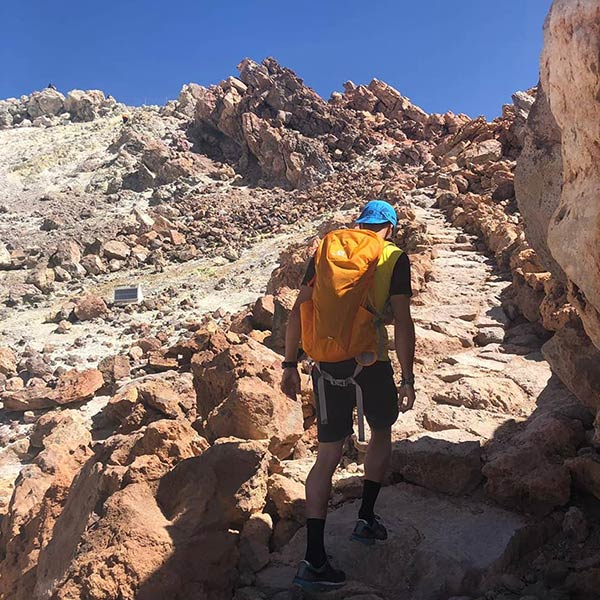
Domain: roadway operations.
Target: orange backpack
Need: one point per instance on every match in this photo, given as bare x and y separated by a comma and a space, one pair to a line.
338, 322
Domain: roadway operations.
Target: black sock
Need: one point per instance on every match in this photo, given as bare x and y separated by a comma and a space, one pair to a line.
315, 542
367, 508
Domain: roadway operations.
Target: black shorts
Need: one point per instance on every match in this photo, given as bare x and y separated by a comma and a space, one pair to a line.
380, 398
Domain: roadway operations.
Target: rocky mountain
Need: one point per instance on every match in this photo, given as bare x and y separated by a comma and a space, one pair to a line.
146, 450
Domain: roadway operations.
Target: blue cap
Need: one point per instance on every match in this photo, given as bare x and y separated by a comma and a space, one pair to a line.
378, 211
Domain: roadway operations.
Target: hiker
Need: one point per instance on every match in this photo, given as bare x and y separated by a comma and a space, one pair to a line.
357, 281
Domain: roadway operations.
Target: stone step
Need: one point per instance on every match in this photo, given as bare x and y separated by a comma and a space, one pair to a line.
437, 547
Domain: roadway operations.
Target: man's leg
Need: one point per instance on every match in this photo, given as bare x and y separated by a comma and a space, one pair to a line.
377, 461
381, 410
318, 491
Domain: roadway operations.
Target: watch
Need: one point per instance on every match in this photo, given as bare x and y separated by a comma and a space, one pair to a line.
289, 364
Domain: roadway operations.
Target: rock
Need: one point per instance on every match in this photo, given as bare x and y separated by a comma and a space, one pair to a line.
480, 423
114, 369
447, 461
72, 386
114, 249
5, 257
8, 362
46, 102
512, 583
90, 307
217, 370
29, 417
575, 524
154, 396
85, 105
585, 471
538, 179
574, 106
254, 410
42, 278
158, 362
527, 480
283, 303
254, 542
39, 496
489, 393
77, 386
68, 257
263, 311
226, 484
288, 497
575, 360
51, 224
31, 398
528, 473
93, 264
489, 335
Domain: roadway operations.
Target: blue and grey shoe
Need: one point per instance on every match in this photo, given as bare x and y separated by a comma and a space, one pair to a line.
322, 579
367, 533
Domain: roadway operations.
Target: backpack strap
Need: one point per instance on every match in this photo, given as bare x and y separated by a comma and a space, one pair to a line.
343, 382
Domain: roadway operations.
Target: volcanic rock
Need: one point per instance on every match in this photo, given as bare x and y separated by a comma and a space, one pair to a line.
254, 410
447, 461
90, 307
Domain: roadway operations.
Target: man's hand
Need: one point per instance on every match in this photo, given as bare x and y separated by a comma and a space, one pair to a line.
406, 397
290, 383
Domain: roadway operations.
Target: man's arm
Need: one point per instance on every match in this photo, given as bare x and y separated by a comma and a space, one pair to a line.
404, 339
290, 382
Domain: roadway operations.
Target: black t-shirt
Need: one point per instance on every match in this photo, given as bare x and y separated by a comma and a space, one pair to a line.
400, 282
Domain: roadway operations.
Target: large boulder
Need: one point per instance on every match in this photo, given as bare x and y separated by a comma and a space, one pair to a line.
71, 387
117, 490
570, 40
491, 393
86, 105
154, 397
577, 362
538, 178
253, 410
528, 471
90, 307
39, 496
446, 461
46, 102
215, 374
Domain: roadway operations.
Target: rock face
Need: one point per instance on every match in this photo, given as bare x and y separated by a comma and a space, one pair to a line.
573, 240
38, 499
447, 461
538, 178
556, 178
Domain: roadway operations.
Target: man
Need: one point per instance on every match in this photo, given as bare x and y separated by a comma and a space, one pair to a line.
379, 397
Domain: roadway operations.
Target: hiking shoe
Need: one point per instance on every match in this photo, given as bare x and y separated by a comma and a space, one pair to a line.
322, 579
367, 534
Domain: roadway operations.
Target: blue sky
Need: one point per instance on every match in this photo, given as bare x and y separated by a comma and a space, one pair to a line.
461, 55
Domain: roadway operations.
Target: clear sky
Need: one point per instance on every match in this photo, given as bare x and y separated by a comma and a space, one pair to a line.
461, 55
